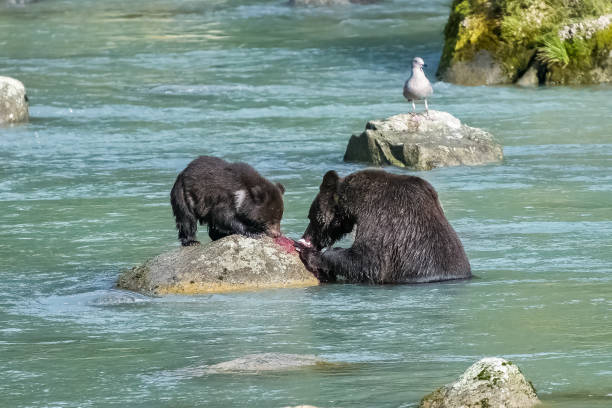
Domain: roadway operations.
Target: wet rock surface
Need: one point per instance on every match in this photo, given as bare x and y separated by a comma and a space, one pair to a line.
234, 263
423, 142
254, 363
490, 382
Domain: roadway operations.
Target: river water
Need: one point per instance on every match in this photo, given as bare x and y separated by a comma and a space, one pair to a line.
124, 94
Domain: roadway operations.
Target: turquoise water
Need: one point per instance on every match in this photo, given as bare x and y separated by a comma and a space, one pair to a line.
124, 94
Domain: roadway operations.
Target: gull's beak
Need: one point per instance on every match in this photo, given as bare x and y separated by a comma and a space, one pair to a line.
424, 65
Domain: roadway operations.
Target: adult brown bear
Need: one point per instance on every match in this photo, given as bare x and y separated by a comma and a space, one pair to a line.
402, 234
232, 198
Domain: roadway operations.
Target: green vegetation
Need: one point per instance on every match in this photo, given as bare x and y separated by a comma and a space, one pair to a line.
553, 51
569, 38
484, 375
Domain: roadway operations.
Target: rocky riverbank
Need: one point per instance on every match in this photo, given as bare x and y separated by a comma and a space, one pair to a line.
529, 42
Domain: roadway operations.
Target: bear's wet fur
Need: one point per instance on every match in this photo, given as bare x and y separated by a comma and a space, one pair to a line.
232, 198
402, 234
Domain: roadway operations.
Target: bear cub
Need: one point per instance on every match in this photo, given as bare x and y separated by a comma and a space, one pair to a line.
232, 198
402, 235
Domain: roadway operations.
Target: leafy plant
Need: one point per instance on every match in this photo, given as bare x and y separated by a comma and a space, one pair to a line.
553, 51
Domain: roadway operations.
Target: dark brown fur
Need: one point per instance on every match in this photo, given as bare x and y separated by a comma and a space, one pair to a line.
232, 198
402, 234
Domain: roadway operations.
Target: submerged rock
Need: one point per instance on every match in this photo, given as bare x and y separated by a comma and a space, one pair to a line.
423, 142
552, 41
253, 363
302, 406
13, 101
316, 3
118, 298
490, 382
234, 263
21, 2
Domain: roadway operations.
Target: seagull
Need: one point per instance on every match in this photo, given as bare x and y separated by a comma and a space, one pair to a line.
418, 87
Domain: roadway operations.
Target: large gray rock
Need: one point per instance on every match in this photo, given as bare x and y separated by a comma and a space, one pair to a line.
480, 70
254, 363
490, 382
13, 101
234, 263
423, 142
529, 78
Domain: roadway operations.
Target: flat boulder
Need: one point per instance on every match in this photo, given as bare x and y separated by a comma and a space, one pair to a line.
234, 263
423, 142
13, 101
254, 363
490, 382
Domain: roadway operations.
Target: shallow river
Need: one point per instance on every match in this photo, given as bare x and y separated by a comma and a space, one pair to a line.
124, 94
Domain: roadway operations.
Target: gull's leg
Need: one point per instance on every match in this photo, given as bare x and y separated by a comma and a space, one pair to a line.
413, 107
426, 107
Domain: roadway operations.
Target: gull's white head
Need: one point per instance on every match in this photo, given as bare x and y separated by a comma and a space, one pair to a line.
418, 63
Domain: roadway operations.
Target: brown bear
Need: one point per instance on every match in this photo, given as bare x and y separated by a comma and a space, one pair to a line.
402, 235
232, 198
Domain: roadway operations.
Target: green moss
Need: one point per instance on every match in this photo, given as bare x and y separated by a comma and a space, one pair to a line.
484, 375
532, 387
459, 10
602, 44
584, 55
434, 399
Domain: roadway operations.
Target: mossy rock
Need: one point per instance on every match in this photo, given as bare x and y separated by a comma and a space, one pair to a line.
490, 382
548, 41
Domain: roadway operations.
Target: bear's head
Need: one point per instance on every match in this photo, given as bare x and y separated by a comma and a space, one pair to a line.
328, 219
261, 208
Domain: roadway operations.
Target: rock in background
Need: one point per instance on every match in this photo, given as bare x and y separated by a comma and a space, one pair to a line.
423, 142
21, 2
530, 42
317, 3
490, 382
255, 363
13, 101
234, 263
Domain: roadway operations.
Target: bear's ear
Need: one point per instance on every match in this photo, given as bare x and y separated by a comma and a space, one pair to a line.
281, 188
330, 181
